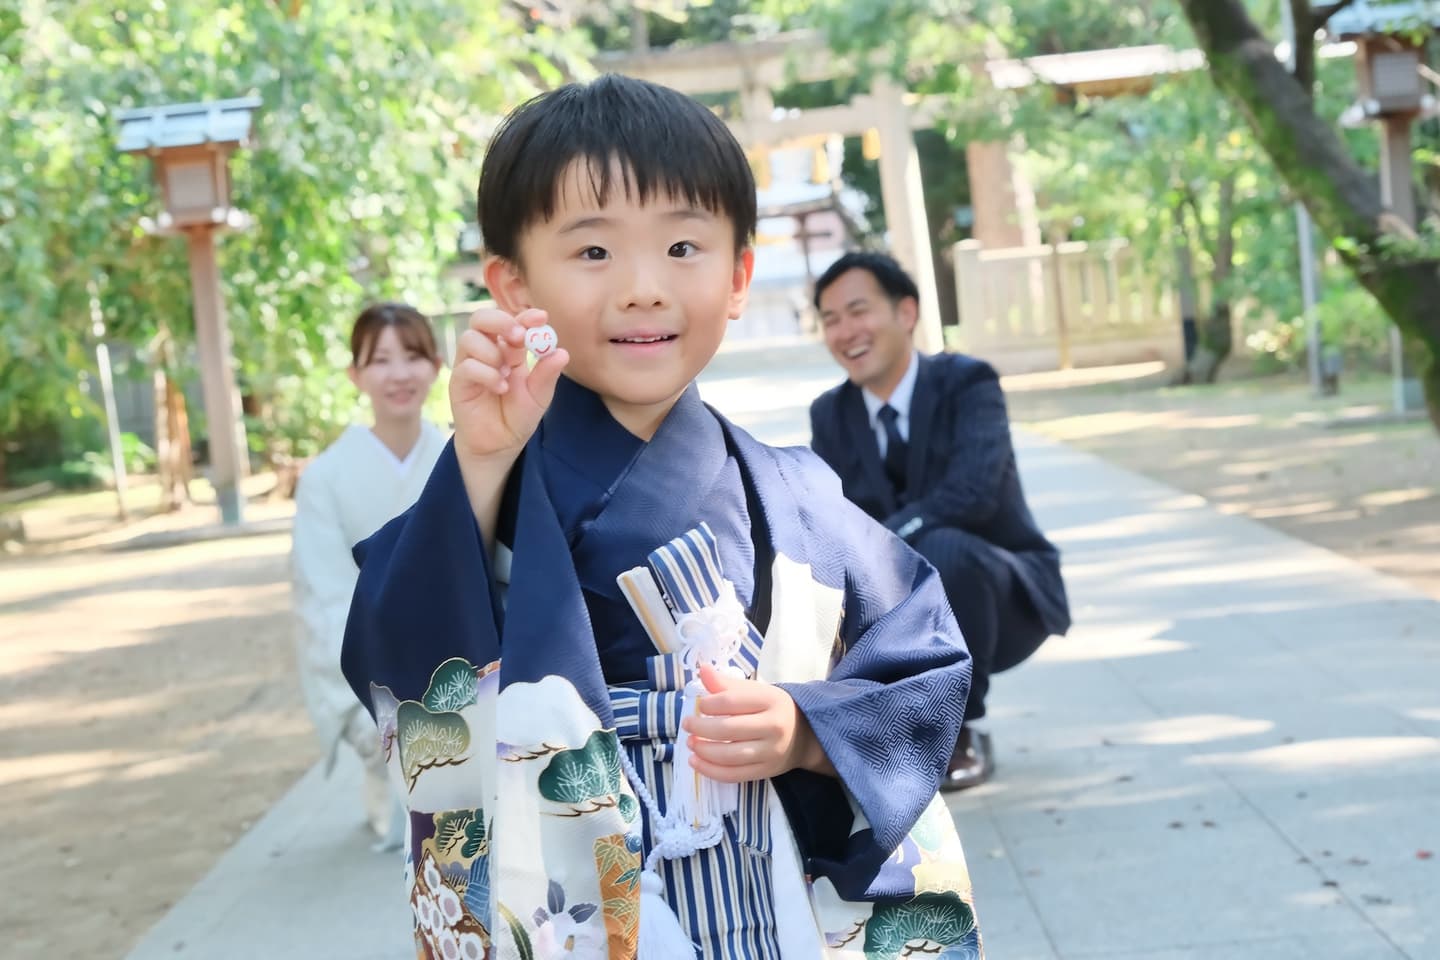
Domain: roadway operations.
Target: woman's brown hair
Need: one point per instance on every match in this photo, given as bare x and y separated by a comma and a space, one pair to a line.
410, 325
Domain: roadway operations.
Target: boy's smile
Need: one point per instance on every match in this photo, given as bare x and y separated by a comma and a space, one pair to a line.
639, 292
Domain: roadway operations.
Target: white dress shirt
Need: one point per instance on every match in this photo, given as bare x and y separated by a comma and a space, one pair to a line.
899, 400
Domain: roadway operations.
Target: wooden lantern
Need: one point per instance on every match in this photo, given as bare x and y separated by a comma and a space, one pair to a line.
190, 145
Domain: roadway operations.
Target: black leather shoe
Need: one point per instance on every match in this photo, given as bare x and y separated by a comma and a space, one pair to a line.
972, 763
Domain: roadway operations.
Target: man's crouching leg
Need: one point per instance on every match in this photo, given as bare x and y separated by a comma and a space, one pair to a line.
999, 628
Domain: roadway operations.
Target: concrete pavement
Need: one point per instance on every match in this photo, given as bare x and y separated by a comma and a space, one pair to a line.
1236, 752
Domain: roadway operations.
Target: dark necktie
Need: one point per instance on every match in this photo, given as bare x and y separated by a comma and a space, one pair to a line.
896, 449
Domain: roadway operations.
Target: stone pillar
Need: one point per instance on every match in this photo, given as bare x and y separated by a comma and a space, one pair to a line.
902, 193
1002, 198
968, 295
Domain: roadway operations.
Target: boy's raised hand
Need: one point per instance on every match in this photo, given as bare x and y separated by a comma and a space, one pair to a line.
749, 730
496, 399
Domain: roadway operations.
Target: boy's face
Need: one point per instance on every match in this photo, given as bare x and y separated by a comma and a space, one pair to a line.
639, 294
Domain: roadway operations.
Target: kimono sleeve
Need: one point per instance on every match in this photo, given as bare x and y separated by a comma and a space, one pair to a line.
889, 713
322, 571
425, 592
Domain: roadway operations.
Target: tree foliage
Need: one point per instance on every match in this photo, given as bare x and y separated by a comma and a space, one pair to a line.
1175, 169
1398, 267
366, 149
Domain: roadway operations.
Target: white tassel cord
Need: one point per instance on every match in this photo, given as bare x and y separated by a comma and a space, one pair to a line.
696, 799
695, 819
711, 635
661, 936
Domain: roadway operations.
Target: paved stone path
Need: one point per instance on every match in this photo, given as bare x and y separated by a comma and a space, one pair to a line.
1235, 753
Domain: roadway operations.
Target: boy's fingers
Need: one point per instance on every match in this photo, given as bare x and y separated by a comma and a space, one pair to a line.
728, 754
470, 373
711, 678
721, 774
741, 699
497, 324
532, 317
475, 344
544, 375
751, 726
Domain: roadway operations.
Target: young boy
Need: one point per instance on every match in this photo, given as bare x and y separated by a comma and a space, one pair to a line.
644, 679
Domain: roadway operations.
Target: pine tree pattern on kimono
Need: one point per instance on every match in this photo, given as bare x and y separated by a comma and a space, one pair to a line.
509, 736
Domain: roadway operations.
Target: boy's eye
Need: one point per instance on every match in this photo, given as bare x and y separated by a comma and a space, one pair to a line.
593, 253
683, 249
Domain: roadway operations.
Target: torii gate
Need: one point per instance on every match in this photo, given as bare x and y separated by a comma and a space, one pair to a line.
753, 69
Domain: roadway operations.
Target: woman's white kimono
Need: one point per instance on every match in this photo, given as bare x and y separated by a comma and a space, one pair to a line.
348, 492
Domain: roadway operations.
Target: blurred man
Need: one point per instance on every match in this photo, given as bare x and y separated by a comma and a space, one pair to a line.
922, 444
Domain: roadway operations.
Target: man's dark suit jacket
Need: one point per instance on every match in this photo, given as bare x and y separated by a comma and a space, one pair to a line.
961, 470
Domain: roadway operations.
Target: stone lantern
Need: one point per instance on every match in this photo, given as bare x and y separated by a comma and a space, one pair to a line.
1389, 62
190, 146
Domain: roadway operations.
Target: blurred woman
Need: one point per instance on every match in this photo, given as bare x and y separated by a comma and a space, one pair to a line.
368, 476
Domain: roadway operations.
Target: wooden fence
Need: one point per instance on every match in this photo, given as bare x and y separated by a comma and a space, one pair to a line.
1042, 308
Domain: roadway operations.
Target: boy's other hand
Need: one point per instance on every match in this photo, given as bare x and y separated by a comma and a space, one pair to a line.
748, 730
496, 399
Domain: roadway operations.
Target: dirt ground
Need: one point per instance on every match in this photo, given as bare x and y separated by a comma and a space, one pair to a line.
1338, 471
149, 711
148, 715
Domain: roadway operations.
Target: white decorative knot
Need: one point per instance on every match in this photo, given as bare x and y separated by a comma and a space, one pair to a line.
674, 840
714, 633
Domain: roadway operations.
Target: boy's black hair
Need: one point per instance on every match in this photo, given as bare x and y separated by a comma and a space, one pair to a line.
662, 139
892, 277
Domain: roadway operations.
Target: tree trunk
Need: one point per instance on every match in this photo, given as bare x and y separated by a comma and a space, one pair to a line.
1214, 345
1187, 293
1215, 335
174, 457
1342, 198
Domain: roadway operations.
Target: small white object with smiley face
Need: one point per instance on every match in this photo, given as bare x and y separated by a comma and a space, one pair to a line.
541, 340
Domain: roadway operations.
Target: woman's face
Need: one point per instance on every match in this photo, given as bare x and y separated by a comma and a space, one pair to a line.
395, 378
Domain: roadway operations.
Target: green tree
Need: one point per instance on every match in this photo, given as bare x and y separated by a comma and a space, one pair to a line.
1099, 165
374, 118
1174, 170
1398, 269
676, 23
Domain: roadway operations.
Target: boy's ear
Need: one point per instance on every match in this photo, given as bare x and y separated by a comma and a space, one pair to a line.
507, 285
740, 282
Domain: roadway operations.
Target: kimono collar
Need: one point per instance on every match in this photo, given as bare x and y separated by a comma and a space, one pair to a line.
581, 433
673, 481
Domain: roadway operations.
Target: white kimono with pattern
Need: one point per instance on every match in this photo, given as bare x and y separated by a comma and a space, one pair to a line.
348, 492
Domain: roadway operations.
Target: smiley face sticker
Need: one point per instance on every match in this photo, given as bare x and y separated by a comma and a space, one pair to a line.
541, 340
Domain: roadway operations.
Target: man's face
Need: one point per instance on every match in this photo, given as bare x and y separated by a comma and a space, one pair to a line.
639, 294
867, 334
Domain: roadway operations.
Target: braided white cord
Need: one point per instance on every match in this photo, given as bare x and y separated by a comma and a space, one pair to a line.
672, 840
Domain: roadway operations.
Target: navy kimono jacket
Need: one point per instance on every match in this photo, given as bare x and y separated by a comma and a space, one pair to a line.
519, 697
